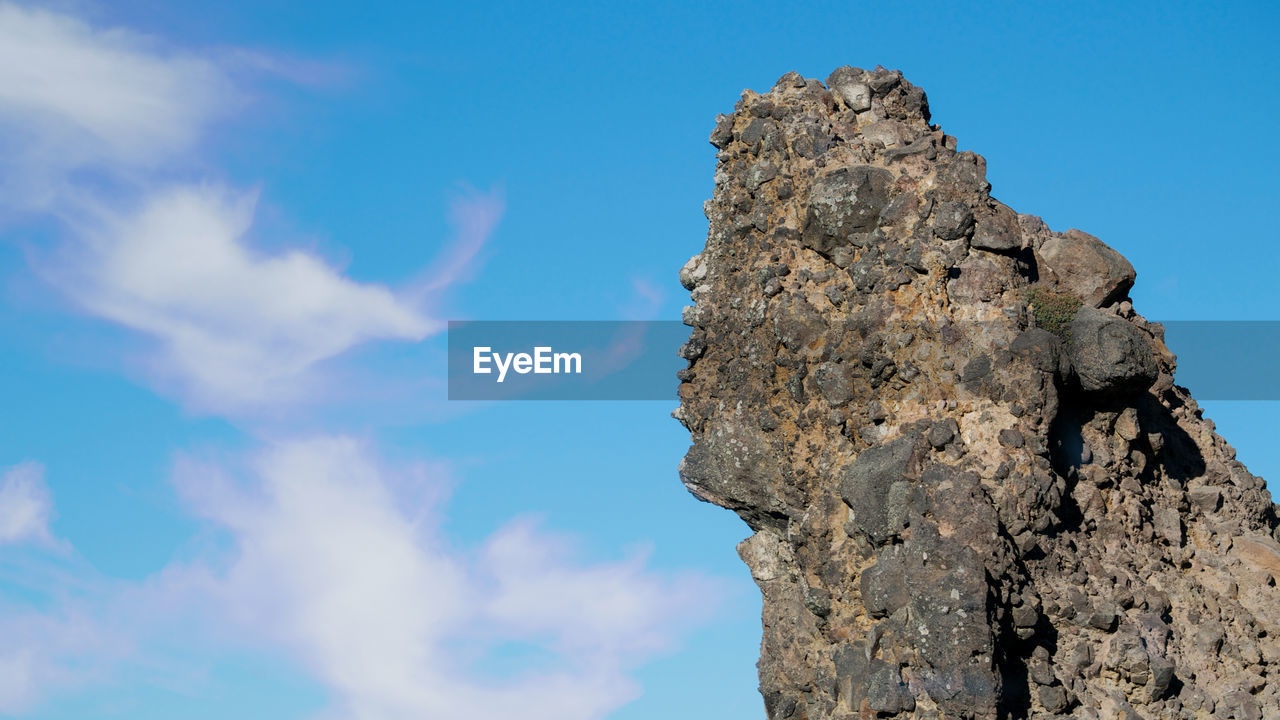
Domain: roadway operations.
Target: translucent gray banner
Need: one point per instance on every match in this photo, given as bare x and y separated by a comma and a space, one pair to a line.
637, 360
1226, 359
565, 360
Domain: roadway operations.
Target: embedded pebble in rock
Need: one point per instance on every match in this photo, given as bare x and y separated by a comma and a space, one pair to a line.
964, 504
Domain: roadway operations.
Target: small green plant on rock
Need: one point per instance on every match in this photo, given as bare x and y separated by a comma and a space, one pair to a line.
1053, 311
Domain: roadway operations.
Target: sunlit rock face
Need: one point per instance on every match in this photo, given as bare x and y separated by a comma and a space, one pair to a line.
975, 490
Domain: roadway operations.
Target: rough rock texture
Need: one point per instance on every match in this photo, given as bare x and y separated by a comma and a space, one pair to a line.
974, 488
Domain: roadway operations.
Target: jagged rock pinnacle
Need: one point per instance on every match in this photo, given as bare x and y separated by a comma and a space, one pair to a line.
974, 488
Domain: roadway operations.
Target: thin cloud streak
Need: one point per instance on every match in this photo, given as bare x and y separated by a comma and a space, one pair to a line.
474, 216
645, 302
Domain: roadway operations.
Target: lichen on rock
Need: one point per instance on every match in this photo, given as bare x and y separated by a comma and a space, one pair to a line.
957, 512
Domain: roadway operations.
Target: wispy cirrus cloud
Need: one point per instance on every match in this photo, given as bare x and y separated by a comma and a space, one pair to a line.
41, 652
37, 646
474, 216
645, 301
26, 505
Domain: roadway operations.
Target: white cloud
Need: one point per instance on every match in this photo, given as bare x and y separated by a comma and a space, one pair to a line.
41, 652
73, 96
331, 562
40, 648
598, 613
236, 327
92, 122
331, 558
26, 505
17, 681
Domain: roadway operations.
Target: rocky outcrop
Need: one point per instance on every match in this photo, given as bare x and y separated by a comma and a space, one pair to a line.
974, 488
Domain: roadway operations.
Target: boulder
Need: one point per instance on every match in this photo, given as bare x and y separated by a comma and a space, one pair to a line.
1084, 266
997, 231
1108, 354
977, 490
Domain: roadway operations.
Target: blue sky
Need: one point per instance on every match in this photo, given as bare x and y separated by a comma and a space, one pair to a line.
229, 232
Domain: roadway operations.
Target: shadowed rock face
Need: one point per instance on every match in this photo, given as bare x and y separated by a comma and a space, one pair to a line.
956, 513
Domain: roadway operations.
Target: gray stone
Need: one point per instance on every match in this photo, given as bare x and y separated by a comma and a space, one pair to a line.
790, 79
1054, 699
843, 203
1041, 672
694, 272
1168, 525
920, 146
883, 585
1025, 616
997, 231
1208, 638
943, 432
760, 174
1204, 497
980, 280
976, 369
851, 670
1103, 617
882, 80
966, 173
1242, 706
722, 135
849, 86
1128, 655
833, 381
867, 486
734, 464
899, 209
886, 132
947, 589
952, 220
1161, 677
886, 693
1009, 437
818, 601
1087, 268
1108, 354
797, 324
756, 130
1041, 349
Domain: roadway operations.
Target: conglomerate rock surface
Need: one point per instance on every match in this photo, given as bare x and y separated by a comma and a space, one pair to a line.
975, 490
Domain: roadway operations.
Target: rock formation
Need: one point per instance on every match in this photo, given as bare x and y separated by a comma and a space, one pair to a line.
974, 488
